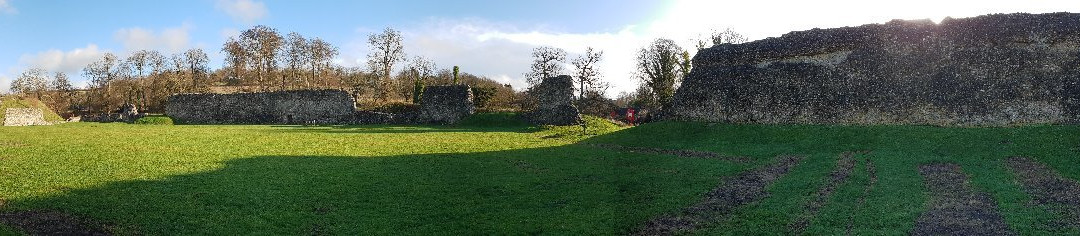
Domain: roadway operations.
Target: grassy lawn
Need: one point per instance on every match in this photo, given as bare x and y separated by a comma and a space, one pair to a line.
505, 179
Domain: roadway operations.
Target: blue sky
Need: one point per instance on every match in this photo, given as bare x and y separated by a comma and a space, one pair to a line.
490, 38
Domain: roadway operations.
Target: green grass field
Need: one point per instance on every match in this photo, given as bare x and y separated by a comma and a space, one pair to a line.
491, 175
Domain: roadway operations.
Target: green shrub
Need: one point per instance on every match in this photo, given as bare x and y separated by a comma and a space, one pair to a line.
154, 120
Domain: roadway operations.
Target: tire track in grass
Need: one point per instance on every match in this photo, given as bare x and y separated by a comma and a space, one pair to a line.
845, 164
871, 171
955, 207
1049, 189
736, 191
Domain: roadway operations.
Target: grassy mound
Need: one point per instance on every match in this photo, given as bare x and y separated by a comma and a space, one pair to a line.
154, 120
17, 102
593, 126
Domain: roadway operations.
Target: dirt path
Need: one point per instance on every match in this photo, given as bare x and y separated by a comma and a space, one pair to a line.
956, 208
733, 192
872, 172
43, 222
844, 166
681, 153
1048, 188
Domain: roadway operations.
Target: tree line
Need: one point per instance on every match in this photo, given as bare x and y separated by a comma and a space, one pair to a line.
261, 59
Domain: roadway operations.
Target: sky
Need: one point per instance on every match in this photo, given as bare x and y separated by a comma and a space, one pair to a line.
492, 38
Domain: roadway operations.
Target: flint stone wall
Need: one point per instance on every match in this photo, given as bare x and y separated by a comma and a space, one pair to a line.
284, 107
555, 105
988, 70
24, 117
443, 104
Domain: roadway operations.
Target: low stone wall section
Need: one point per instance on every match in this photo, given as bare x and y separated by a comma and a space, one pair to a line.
284, 107
24, 117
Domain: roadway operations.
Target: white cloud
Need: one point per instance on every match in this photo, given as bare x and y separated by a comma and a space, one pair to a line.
6, 8
70, 62
246, 11
5, 84
171, 40
227, 33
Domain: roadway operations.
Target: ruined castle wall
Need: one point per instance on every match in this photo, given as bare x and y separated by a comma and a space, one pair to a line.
989, 70
445, 104
24, 117
285, 107
555, 97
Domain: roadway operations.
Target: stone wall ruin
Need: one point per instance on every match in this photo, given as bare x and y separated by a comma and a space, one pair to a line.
445, 104
24, 117
284, 107
998, 69
555, 97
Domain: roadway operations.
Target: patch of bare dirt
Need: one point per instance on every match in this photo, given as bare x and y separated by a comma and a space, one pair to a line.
955, 208
844, 166
46, 222
1048, 188
871, 171
733, 192
673, 152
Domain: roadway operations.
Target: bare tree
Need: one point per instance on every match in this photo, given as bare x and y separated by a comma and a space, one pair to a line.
139, 63
547, 62
102, 74
195, 61
261, 44
33, 81
322, 55
157, 87
297, 54
661, 66
236, 60
386, 51
418, 71
587, 73
62, 92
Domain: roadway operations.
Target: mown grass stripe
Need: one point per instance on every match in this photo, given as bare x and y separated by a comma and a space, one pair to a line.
845, 163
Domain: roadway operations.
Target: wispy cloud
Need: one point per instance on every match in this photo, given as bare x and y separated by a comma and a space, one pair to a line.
70, 62
5, 84
6, 8
170, 40
246, 11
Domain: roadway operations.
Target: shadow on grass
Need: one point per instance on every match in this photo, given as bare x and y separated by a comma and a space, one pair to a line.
570, 189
